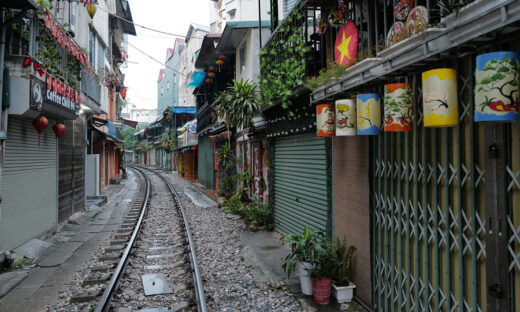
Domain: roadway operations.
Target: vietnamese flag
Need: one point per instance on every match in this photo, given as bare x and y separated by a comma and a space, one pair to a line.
47, 20
78, 97
346, 46
63, 36
59, 35
54, 34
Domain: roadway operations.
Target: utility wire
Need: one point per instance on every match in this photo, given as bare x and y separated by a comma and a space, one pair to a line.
148, 28
133, 46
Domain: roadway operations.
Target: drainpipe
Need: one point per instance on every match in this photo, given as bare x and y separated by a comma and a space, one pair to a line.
259, 24
3, 116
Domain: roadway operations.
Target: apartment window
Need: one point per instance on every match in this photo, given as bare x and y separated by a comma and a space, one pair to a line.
243, 57
168, 85
91, 46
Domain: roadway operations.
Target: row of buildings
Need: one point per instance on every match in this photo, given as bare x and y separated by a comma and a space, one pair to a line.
62, 91
433, 211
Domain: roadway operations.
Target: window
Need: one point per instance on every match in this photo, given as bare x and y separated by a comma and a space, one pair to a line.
91, 46
243, 57
168, 88
162, 90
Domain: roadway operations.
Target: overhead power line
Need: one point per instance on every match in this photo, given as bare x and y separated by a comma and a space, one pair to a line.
163, 64
148, 28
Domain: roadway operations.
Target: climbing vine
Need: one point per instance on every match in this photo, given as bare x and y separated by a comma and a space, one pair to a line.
283, 61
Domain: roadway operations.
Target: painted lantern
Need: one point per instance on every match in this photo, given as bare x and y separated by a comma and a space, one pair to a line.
496, 86
346, 45
402, 8
398, 107
396, 34
417, 20
440, 106
346, 117
325, 120
368, 114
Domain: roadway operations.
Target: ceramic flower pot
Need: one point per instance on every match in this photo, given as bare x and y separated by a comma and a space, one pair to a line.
343, 293
322, 290
305, 280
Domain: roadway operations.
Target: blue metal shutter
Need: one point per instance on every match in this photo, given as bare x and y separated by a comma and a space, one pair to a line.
301, 183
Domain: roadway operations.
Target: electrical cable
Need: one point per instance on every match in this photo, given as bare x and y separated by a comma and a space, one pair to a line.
148, 28
133, 46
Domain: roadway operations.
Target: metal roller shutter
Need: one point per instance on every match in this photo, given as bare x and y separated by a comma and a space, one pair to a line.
29, 183
352, 206
302, 188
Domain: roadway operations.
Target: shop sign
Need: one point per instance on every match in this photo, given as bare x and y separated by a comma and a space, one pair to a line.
40, 95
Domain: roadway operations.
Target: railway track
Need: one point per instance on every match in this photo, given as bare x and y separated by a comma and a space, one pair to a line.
151, 251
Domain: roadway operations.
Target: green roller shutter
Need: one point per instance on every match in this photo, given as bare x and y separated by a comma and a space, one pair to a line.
206, 163
29, 183
302, 188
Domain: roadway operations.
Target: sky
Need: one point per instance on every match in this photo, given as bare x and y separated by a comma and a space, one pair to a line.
172, 16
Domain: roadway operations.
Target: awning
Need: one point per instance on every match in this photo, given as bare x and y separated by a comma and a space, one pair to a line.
183, 110
130, 123
197, 79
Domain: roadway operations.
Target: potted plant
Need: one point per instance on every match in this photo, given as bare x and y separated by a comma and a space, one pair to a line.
342, 288
322, 270
300, 255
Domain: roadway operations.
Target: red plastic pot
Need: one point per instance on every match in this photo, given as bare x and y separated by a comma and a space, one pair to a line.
321, 290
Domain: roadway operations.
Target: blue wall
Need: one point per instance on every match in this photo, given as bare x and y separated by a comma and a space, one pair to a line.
169, 96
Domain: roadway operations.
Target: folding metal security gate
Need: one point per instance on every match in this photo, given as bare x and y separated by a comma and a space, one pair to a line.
302, 189
441, 240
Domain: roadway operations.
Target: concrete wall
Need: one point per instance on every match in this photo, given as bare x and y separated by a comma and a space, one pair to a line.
187, 67
236, 10
168, 87
252, 61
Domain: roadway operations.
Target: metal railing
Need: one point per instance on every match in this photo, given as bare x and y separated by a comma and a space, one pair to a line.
91, 87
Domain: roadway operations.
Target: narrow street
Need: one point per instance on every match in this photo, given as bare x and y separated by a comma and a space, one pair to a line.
260, 155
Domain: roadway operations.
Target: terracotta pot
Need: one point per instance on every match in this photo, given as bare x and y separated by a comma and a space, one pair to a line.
321, 290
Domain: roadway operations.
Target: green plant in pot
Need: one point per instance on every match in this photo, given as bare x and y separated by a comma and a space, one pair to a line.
302, 245
322, 270
342, 287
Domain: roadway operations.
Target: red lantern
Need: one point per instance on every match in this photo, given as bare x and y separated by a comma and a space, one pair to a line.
123, 93
213, 68
208, 81
222, 58
40, 123
59, 129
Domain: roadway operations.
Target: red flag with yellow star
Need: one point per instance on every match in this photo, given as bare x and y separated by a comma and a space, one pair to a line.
346, 46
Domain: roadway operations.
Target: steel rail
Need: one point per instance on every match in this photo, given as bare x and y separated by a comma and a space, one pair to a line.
104, 303
197, 280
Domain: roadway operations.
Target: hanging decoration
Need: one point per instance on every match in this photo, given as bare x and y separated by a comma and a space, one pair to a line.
368, 114
440, 106
220, 61
321, 27
59, 129
346, 46
417, 20
213, 68
40, 123
208, 80
346, 117
396, 34
338, 17
325, 120
497, 81
91, 9
211, 75
402, 8
398, 107
27, 61
123, 93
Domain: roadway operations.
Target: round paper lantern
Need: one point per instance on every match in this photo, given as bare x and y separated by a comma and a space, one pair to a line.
208, 81
440, 104
222, 58
325, 120
368, 114
91, 9
40, 123
59, 129
213, 68
398, 107
417, 20
346, 45
211, 75
346, 117
402, 8
497, 86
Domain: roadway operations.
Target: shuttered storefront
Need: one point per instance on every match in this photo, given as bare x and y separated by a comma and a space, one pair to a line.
352, 206
302, 186
206, 163
29, 183
71, 195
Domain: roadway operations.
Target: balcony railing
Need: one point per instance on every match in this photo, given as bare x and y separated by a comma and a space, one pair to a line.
91, 87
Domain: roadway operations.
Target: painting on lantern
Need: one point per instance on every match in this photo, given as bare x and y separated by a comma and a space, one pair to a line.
440, 103
497, 80
346, 117
325, 120
398, 107
369, 114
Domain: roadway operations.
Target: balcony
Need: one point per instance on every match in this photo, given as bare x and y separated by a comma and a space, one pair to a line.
91, 87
